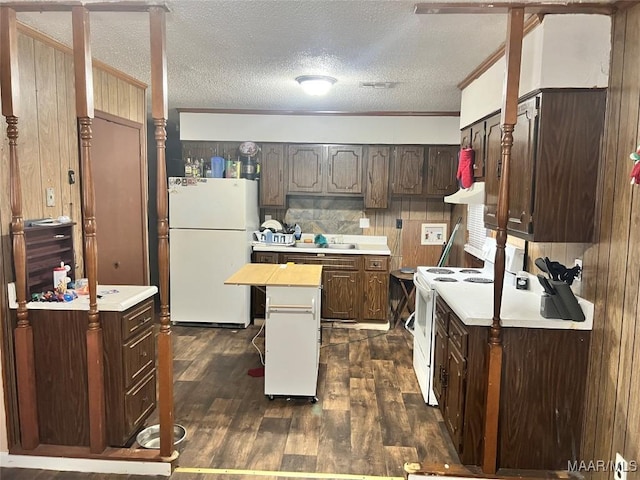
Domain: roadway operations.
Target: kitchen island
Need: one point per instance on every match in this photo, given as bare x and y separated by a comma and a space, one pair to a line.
543, 376
292, 325
355, 275
60, 356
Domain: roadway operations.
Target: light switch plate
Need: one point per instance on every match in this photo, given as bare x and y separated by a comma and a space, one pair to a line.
364, 223
51, 199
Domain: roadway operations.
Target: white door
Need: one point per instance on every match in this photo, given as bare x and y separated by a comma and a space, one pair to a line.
200, 262
213, 203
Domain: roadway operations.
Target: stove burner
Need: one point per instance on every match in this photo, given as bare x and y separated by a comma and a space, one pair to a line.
470, 270
440, 271
478, 280
445, 279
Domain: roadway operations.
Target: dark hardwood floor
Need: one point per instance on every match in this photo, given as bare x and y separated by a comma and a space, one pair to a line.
370, 417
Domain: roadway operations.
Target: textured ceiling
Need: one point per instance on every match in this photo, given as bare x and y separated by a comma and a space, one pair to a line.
245, 54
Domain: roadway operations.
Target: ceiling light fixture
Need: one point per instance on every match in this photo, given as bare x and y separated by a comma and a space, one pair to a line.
316, 84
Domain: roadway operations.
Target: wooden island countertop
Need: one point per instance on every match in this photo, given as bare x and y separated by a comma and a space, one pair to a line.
275, 275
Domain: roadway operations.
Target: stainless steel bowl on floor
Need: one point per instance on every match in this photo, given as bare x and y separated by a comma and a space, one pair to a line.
150, 436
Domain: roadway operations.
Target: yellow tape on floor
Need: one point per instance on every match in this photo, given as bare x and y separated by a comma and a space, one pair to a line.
266, 473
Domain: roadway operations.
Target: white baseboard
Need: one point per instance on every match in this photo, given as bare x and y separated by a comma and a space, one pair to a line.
66, 464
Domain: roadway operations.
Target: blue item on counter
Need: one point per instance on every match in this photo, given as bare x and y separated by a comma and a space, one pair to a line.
297, 232
320, 240
217, 167
268, 236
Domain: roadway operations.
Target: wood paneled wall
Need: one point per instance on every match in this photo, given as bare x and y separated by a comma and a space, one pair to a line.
612, 420
48, 137
48, 146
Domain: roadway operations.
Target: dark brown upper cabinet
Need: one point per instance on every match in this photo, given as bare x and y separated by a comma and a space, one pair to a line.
344, 169
325, 169
555, 154
377, 160
305, 168
272, 171
407, 170
442, 163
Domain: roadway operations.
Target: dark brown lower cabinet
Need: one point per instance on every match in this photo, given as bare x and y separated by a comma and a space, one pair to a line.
60, 352
542, 392
354, 287
258, 296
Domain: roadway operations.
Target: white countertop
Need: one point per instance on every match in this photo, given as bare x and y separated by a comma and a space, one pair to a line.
473, 304
365, 245
115, 298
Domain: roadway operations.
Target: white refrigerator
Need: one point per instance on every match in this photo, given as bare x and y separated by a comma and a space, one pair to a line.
211, 225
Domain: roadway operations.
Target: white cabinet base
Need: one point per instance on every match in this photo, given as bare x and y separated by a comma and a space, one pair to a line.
292, 341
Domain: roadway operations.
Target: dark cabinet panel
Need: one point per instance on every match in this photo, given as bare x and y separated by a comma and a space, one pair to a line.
407, 170
478, 146
305, 168
377, 177
552, 185
375, 288
344, 165
340, 294
442, 166
493, 162
272, 171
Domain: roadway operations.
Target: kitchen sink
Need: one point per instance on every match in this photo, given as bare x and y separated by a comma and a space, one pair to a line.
341, 246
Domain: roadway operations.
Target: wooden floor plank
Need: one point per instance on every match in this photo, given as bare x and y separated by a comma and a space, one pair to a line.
334, 451
396, 430
395, 458
366, 437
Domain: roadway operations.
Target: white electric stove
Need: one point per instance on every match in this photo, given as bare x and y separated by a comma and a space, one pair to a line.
425, 280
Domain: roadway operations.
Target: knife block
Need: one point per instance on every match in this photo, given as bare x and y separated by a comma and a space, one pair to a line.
563, 304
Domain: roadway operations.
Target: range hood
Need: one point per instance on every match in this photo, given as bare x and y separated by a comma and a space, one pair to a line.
472, 195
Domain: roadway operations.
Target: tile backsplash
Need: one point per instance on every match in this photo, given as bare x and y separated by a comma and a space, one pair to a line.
326, 215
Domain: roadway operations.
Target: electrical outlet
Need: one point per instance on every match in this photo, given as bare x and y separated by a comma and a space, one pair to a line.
578, 262
398, 223
364, 223
51, 199
621, 468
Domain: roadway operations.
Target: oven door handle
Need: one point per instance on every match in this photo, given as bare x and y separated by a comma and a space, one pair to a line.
422, 287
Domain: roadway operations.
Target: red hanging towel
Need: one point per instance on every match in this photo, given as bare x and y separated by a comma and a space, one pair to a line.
465, 167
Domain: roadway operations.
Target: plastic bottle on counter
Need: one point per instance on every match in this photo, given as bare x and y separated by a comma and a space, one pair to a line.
297, 232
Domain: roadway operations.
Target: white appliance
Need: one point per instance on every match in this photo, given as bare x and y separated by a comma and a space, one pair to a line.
211, 224
425, 280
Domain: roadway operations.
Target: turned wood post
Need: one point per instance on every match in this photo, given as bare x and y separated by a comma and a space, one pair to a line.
159, 113
84, 111
23, 334
513, 55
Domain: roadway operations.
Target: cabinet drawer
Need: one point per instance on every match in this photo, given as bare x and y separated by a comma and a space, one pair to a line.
139, 402
376, 263
458, 334
333, 262
265, 257
136, 319
138, 356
